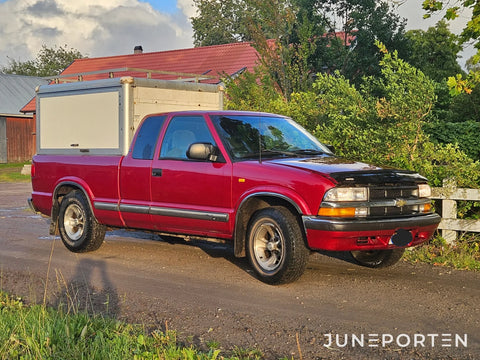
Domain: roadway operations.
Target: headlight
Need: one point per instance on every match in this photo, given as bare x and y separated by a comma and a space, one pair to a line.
341, 194
424, 191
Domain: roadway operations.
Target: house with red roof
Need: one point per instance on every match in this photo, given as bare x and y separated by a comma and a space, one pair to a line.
208, 64
204, 64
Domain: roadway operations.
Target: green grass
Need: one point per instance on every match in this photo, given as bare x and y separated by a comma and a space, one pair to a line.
11, 173
39, 332
464, 254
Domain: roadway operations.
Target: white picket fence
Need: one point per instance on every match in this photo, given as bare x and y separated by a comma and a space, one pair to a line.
446, 198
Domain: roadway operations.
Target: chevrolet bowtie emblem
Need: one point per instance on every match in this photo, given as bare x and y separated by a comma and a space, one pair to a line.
400, 202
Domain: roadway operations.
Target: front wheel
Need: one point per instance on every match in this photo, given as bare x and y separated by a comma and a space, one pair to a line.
378, 258
276, 246
79, 230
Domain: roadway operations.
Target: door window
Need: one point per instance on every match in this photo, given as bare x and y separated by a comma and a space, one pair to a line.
147, 138
182, 132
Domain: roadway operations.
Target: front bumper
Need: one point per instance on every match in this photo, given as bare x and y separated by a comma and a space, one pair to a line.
364, 234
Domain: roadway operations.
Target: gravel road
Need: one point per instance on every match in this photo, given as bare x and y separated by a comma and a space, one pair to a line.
337, 310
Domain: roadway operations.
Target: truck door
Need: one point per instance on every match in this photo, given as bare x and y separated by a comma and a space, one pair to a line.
136, 175
190, 196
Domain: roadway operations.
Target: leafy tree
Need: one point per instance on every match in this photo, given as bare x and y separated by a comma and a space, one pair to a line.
303, 33
285, 53
365, 21
434, 51
219, 22
471, 65
284, 44
459, 122
251, 91
381, 122
471, 32
49, 61
464, 134
394, 108
227, 21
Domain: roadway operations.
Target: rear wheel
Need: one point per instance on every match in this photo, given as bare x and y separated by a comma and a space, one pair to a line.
276, 246
378, 258
79, 230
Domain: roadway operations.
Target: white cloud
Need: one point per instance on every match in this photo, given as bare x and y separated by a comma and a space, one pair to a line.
95, 28
113, 27
187, 7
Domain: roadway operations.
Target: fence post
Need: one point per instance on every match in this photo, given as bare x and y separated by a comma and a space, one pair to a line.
449, 210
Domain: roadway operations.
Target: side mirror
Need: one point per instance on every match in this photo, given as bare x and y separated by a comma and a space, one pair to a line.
202, 151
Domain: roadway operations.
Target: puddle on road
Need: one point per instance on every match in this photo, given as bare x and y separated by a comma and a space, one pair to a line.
49, 238
21, 213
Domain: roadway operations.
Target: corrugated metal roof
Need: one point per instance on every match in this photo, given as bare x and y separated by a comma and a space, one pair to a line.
16, 91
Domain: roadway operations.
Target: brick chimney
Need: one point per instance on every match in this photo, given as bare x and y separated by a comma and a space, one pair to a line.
138, 49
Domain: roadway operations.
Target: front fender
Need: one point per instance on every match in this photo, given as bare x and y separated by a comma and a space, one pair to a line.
259, 198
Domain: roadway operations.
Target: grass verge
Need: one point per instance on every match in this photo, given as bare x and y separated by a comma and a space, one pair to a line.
11, 173
39, 332
463, 255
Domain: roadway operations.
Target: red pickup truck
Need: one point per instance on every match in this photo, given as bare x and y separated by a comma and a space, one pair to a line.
258, 180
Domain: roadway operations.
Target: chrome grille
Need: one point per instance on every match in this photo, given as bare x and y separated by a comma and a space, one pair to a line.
393, 192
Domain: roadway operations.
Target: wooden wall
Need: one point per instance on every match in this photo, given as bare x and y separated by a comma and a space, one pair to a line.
20, 139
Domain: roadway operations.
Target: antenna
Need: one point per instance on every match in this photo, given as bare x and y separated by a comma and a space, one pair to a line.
260, 139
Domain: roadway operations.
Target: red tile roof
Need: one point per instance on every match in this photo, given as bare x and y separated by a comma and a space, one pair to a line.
210, 60
213, 61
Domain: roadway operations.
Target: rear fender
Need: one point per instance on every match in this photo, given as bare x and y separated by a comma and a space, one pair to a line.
62, 188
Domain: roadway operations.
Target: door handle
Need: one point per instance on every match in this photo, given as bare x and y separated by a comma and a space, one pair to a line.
156, 172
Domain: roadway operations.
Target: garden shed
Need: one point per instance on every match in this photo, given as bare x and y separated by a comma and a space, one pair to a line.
17, 130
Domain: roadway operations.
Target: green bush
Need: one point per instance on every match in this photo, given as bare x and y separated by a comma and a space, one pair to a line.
464, 254
465, 134
383, 122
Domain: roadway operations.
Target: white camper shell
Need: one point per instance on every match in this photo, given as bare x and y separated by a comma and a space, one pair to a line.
99, 117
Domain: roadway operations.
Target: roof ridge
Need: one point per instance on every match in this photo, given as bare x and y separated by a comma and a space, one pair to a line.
20, 75
240, 43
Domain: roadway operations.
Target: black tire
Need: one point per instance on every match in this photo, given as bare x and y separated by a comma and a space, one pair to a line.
79, 230
276, 246
378, 258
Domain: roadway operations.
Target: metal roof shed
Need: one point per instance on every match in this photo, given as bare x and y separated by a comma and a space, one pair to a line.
17, 130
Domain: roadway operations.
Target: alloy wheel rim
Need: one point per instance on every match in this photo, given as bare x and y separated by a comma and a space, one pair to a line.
74, 222
268, 246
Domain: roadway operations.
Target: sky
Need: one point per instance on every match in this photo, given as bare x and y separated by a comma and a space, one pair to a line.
99, 28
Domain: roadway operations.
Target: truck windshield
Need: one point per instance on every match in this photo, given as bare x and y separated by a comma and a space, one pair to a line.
250, 136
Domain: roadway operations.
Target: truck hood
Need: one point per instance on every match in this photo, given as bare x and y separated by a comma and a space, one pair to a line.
347, 172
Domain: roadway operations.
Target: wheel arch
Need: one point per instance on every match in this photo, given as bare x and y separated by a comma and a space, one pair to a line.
249, 206
62, 189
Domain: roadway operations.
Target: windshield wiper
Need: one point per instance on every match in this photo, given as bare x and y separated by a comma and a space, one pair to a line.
293, 153
278, 152
308, 152
273, 152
